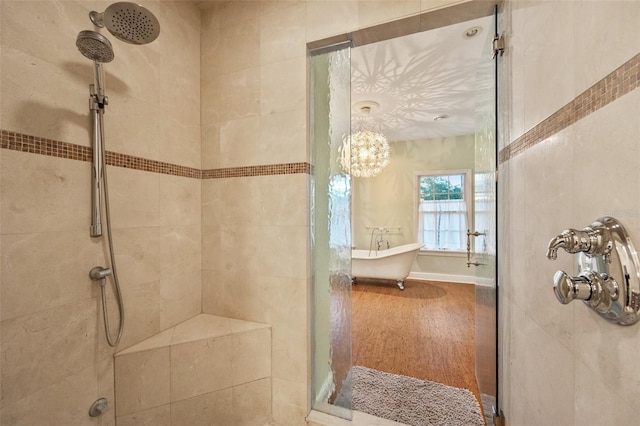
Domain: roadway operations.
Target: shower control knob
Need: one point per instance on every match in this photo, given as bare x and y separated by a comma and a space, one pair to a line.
570, 288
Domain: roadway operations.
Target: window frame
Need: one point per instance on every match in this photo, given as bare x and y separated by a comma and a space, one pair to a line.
467, 197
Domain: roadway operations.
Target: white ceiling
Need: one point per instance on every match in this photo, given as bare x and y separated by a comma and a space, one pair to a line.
418, 77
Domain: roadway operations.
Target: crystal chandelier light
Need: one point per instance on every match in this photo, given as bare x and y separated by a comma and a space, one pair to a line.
365, 153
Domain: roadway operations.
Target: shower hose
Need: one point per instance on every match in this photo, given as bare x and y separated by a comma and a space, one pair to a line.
112, 342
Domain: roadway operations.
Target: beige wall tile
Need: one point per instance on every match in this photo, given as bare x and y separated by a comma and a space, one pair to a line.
232, 202
426, 5
130, 125
106, 389
251, 403
158, 416
44, 194
212, 409
239, 45
180, 201
43, 406
251, 356
179, 250
290, 258
328, 18
289, 402
239, 143
230, 96
160, 340
282, 31
137, 252
45, 270
210, 143
142, 314
283, 137
597, 44
550, 84
283, 86
181, 297
180, 143
609, 407
376, 12
288, 316
142, 381
38, 99
210, 326
134, 198
44, 348
201, 367
283, 200
230, 13
223, 291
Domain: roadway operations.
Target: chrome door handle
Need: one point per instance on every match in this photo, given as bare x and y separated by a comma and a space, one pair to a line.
469, 234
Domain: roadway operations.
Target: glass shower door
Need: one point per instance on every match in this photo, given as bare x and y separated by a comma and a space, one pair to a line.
331, 231
485, 243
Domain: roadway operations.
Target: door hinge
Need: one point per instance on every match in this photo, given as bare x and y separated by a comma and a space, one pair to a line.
498, 45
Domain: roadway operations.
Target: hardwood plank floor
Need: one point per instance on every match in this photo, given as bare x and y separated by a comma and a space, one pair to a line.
426, 331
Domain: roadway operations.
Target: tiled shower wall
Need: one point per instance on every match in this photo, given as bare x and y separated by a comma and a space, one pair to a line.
571, 114
55, 360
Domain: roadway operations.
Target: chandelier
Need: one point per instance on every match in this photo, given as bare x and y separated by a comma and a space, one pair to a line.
364, 153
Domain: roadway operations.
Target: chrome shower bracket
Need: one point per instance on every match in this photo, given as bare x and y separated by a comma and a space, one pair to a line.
608, 279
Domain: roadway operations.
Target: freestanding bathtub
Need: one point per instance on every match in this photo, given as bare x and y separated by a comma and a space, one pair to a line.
392, 264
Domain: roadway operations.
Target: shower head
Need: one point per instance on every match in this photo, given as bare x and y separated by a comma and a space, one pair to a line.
128, 22
94, 46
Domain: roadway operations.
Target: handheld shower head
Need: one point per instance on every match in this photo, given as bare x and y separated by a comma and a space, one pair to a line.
128, 22
94, 46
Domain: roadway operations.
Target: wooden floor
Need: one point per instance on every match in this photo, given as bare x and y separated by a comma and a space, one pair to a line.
426, 331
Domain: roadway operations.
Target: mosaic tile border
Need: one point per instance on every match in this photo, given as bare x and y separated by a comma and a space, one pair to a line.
271, 169
36, 145
620, 82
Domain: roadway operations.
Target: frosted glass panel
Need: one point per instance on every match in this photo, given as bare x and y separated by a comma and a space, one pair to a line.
331, 233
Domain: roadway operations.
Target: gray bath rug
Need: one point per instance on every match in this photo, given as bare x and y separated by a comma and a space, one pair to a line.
413, 401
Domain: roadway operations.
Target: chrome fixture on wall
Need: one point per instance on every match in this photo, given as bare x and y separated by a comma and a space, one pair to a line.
134, 24
608, 278
128, 22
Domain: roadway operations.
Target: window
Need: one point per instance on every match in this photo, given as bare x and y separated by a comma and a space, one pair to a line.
443, 218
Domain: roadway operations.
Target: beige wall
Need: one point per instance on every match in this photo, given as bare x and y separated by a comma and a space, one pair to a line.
55, 360
564, 365
389, 199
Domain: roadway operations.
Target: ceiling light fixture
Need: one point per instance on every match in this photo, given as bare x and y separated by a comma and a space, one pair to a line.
365, 153
472, 32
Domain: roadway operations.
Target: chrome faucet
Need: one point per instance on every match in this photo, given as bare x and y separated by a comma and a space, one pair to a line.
593, 240
617, 301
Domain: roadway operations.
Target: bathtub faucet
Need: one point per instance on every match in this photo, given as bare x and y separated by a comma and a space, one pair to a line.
380, 241
379, 238
592, 240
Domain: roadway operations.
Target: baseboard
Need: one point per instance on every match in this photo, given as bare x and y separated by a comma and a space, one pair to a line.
427, 276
